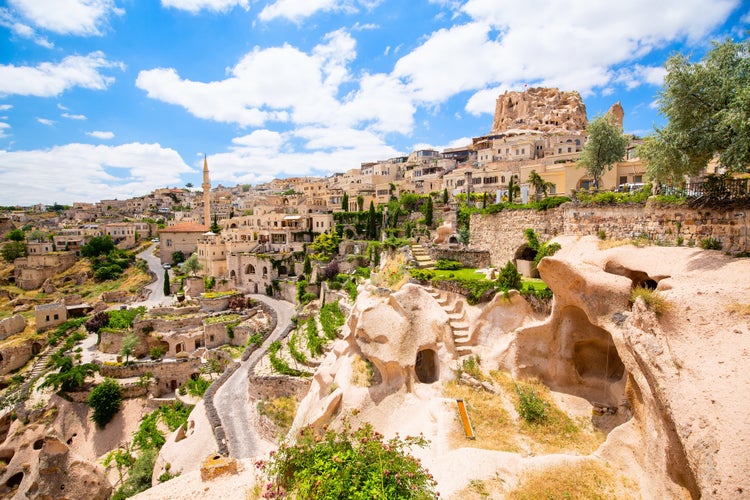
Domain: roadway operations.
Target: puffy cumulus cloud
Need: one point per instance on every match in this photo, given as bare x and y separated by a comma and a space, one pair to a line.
264, 155
636, 75
91, 172
296, 10
67, 17
46, 121
195, 6
285, 84
52, 79
572, 45
5, 107
100, 134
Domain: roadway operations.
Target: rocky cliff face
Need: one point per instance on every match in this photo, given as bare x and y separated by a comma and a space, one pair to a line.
664, 387
539, 108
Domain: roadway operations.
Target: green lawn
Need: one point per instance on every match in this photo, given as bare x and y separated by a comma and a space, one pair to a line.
472, 274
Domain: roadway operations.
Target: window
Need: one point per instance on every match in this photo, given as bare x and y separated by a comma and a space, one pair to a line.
57, 317
623, 179
637, 178
169, 243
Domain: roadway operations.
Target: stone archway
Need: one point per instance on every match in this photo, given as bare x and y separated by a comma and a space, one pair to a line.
426, 366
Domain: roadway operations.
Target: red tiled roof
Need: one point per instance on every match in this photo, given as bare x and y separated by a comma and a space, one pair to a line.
185, 227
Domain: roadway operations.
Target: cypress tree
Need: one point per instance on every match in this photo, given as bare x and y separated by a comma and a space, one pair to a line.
167, 290
371, 223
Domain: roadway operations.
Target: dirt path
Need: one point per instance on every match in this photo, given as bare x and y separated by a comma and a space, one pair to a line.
231, 400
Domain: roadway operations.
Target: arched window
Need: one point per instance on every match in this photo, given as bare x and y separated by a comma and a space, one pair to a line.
250, 269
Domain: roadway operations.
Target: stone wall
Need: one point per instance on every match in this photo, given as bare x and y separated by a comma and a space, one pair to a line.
11, 326
272, 387
31, 271
167, 375
501, 234
468, 258
14, 356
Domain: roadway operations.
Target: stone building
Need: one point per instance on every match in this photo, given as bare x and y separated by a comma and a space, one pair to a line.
182, 237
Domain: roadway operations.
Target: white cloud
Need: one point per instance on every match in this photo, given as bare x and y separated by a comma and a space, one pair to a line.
46, 121
5, 107
91, 173
572, 45
3, 128
23, 30
99, 134
73, 117
297, 10
195, 6
52, 79
264, 154
746, 18
68, 17
636, 75
284, 84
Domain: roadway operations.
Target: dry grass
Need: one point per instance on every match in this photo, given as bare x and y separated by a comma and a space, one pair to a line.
493, 425
480, 489
653, 299
280, 411
607, 244
737, 308
393, 275
557, 432
362, 372
579, 480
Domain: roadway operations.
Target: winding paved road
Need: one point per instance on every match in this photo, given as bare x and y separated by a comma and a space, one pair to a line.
231, 400
156, 297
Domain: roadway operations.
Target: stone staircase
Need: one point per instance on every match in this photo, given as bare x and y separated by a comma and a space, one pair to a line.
457, 319
40, 364
422, 258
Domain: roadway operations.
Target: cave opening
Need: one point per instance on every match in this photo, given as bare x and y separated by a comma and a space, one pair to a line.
426, 367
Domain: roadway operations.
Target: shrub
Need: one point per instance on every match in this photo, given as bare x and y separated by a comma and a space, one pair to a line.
532, 408
157, 352
546, 249
105, 400
348, 464
653, 299
710, 244
197, 388
551, 202
331, 319
448, 265
509, 277
314, 341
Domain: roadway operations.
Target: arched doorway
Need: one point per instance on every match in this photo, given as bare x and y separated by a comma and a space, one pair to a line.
426, 367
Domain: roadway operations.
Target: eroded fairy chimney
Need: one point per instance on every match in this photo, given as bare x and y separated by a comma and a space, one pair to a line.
539, 108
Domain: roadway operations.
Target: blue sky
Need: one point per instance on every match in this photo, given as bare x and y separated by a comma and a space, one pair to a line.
105, 99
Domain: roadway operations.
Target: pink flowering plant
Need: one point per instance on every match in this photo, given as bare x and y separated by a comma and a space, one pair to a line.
352, 464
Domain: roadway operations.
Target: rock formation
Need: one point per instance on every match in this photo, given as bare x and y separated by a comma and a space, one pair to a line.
654, 383
539, 108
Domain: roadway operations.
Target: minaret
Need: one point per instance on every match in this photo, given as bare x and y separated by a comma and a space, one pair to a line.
206, 194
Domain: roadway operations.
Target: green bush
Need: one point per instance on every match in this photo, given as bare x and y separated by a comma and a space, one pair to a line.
331, 319
349, 464
314, 341
509, 277
197, 387
710, 244
551, 202
105, 400
532, 408
448, 265
139, 476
